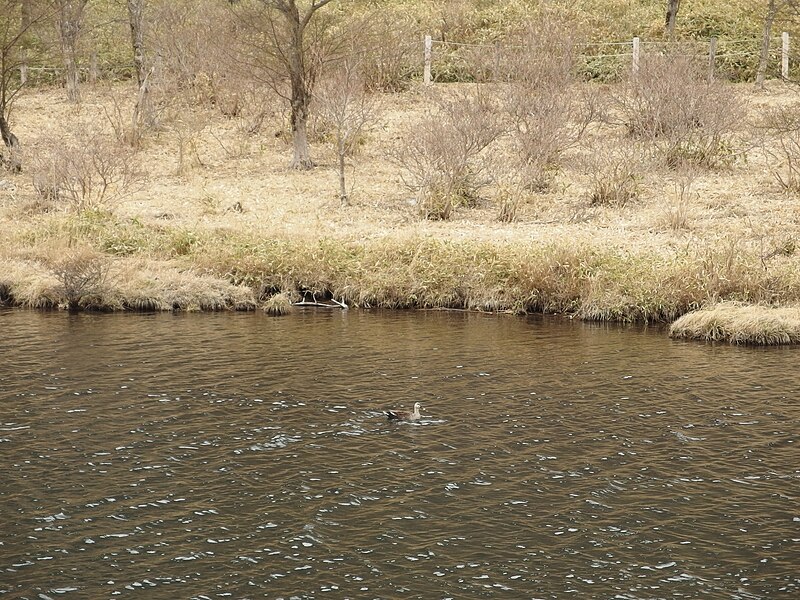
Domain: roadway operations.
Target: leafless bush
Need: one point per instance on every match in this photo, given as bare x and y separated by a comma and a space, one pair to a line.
672, 103
780, 133
547, 110
88, 170
443, 155
81, 273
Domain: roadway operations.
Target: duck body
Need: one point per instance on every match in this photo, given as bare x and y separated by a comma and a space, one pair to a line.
404, 415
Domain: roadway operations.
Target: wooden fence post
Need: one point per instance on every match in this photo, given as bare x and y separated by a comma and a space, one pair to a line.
93, 68
635, 64
426, 78
712, 57
785, 55
23, 67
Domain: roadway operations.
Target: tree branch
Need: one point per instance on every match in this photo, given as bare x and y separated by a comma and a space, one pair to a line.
315, 6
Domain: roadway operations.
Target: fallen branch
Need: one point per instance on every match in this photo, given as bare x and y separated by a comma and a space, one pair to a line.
331, 304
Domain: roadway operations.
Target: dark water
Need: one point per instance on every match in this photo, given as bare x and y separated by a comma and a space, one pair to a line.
243, 456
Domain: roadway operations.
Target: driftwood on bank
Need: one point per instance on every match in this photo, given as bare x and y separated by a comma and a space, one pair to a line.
332, 303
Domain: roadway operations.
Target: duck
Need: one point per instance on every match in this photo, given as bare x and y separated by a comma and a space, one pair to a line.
403, 415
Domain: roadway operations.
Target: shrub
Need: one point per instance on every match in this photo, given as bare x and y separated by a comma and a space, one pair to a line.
443, 156
672, 104
389, 47
781, 142
81, 273
87, 170
547, 113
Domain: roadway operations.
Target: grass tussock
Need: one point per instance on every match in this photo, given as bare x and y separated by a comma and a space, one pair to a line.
740, 324
278, 305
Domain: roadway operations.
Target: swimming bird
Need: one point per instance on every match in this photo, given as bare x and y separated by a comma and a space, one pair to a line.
403, 415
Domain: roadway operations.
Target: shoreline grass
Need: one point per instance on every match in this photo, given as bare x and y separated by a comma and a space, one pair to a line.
142, 268
741, 324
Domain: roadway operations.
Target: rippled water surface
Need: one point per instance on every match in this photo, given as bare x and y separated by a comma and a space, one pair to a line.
244, 456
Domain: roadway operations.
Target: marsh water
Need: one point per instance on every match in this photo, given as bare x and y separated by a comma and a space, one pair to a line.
246, 456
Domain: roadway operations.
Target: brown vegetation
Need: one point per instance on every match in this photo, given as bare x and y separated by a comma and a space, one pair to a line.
737, 324
528, 190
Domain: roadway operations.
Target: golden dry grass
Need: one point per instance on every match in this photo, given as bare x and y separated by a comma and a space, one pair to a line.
278, 305
739, 324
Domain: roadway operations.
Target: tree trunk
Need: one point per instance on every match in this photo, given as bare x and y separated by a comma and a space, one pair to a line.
10, 141
672, 15
69, 25
301, 95
136, 18
71, 73
299, 119
772, 8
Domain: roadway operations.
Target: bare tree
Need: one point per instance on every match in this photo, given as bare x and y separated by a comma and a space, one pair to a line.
672, 14
298, 60
70, 21
345, 105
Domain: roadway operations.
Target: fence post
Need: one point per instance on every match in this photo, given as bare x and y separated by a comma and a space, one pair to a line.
712, 57
635, 64
785, 55
426, 78
23, 67
93, 68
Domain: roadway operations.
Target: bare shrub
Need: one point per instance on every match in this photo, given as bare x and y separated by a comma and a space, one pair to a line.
87, 170
672, 104
81, 273
780, 130
389, 47
443, 155
547, 110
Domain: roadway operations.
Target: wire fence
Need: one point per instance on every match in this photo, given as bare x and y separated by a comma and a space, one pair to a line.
733, 59
447, 61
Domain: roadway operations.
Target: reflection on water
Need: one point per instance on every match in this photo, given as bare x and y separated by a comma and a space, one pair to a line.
211, 456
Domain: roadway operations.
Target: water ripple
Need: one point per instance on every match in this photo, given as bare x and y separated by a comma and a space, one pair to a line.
211, 456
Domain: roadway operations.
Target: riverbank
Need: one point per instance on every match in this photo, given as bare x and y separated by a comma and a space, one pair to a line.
216, 221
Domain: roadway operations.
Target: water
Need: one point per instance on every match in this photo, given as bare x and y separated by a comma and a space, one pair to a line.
244, 456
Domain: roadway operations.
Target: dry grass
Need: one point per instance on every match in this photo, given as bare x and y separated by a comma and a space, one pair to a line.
87, 280
739, 324
278, 305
